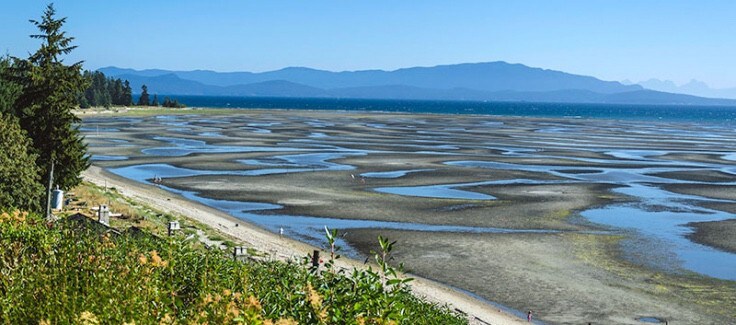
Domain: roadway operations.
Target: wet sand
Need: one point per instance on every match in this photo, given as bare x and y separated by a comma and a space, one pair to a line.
491, 205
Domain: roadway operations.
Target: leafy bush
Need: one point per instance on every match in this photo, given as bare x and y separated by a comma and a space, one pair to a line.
67, 273
20, 185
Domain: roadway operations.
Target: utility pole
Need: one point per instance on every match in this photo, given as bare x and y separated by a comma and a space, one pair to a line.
48, 190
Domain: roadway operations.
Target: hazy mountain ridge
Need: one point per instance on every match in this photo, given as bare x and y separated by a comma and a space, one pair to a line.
693, 87
493, 81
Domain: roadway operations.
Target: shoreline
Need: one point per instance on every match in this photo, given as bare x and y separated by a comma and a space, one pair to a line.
591, 280
286, 248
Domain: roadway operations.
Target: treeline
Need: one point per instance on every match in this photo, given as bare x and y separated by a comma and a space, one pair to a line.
145, 100
105, 92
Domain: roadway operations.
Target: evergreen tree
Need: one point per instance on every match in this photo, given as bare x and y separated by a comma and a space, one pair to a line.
9, 90
101, 90
127, 99
104, 91
143, 100
117, 95
49, 91
155, 100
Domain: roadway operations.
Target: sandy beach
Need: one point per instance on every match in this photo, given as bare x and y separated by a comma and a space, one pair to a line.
284, 248
528, 213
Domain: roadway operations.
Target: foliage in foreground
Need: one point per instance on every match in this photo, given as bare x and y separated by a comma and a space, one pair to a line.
19, 179
65, 273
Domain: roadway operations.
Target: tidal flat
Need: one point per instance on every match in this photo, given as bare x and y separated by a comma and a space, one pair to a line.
579, 220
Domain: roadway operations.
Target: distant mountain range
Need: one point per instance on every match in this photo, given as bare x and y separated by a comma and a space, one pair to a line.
694, 87
492, 81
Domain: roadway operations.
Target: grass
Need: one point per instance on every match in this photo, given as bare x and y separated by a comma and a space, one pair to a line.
88, 195
150, 111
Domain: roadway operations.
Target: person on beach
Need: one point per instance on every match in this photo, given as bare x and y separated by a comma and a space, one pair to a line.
529, 316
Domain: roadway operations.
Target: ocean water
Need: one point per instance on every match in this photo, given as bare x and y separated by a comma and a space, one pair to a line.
674, 113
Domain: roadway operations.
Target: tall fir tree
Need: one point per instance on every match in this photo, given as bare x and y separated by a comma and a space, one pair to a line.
144, 100
9, 90
127, 94
155, 100
49, 91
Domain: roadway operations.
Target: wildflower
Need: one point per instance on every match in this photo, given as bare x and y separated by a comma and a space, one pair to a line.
166, 320
314, 298
20, 216
360, 320
286, 321
88, 318
157, 261
253, 302
43, 321
237, 295
226, 292
207, 299
142, 259
233, 309
91, 258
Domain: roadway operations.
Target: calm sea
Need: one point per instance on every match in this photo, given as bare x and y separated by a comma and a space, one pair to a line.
674, 113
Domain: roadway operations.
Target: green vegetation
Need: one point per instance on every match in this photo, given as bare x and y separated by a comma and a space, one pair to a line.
19, 185
48, 91
144, 99
71, 273
9, 90
172, 103
105, 92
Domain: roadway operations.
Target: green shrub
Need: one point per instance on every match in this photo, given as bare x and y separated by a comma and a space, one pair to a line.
20, 184
66, 273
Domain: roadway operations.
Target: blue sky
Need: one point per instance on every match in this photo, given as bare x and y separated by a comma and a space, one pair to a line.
611, 40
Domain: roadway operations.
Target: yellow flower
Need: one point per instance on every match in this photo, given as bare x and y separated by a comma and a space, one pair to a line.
226, 292
20, 216
232, 308
142, 259
43, 321
207, 299
88, 318
314, 298
253, 302
286, 321
166, 320
155, 259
